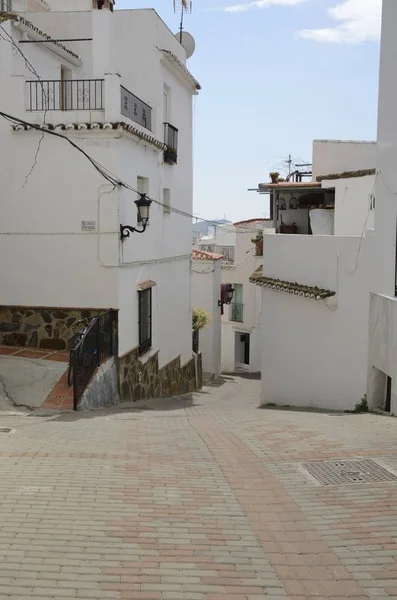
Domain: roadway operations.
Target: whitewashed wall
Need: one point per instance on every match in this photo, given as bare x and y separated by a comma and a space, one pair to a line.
314, 353
338, 156
352, 204
244, 265
206, 288
51, 261
386, 181
382, 351
383, 307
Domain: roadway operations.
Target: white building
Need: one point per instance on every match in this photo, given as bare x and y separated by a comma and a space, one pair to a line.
221, 240
206, 293
240, 320
124, 96
382, 355
315, 287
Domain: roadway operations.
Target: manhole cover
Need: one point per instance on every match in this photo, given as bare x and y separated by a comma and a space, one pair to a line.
348, 471
5, 430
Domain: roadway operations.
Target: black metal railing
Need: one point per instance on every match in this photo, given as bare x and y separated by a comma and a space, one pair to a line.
196, 341
236, 312
171, 141
94, 347
136, 109
67, 94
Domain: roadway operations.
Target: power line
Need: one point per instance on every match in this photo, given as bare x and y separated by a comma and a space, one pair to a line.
110, 177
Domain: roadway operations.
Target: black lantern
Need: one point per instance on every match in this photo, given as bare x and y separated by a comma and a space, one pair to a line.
143, 205
227, 291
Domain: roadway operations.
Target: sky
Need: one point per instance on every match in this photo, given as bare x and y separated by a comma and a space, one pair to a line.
275, 75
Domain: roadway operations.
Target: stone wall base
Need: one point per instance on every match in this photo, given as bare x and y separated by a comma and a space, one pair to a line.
40, 327
146, 381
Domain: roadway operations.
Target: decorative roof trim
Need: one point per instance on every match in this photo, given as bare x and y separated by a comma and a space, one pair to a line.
146, 285
347, 175
204, 255
117, 126
173, 59
25, 25
295, 289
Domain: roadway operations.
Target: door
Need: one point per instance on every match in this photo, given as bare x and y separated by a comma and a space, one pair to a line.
247, 349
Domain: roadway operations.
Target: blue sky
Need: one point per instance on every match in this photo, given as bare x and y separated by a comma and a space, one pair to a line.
275, 74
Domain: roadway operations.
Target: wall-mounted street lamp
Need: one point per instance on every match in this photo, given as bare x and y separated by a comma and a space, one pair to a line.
227, 292
143, 205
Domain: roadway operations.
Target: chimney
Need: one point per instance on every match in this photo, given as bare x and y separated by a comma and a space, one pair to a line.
103, 4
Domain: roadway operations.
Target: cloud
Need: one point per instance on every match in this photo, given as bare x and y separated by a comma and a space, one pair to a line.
236, 8
359, 21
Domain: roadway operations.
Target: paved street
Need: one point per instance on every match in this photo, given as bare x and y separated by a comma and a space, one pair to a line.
199, 500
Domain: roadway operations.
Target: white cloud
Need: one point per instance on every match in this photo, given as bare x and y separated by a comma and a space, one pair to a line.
235, 8
359, 21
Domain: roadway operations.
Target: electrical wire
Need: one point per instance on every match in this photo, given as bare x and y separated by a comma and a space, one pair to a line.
113, 179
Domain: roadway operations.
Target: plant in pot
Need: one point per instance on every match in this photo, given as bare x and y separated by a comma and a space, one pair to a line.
258, 241
200, 318
274, 176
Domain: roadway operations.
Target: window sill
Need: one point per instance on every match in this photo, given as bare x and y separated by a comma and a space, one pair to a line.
143, 358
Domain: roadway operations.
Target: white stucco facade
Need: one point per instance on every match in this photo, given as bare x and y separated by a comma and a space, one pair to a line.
314, 351
52, 260
382, 352
338, 156
206, 289
241, 321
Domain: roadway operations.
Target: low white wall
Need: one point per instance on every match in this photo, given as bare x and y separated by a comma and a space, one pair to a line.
314, 353
206, 290
338, 156
382, 346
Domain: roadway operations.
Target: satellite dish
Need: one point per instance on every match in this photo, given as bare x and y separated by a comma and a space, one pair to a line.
187, 41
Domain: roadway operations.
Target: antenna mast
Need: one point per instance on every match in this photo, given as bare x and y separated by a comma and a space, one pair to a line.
182, 6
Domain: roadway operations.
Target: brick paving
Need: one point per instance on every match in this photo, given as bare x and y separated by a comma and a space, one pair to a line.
201, 500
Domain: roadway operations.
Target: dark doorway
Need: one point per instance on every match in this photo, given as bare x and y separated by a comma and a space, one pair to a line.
247, 349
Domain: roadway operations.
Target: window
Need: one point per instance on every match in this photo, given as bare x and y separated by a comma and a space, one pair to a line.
167, 201
145, 320
142, 185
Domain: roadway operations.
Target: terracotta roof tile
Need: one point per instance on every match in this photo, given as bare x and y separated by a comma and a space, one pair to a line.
259, 220
203, 255
118, 126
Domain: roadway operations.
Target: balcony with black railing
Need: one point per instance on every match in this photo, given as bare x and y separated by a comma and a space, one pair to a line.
236, 312
171, 142
136, 109
65, 95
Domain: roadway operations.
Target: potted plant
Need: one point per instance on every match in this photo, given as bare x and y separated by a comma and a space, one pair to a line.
274, 176
200, 318
258, 241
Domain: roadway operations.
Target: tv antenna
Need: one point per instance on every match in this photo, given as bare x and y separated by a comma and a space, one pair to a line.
181, 7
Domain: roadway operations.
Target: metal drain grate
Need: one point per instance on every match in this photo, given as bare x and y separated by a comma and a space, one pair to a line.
342, 472
5, 430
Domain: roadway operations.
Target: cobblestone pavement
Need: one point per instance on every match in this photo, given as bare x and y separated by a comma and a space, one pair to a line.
201, 500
